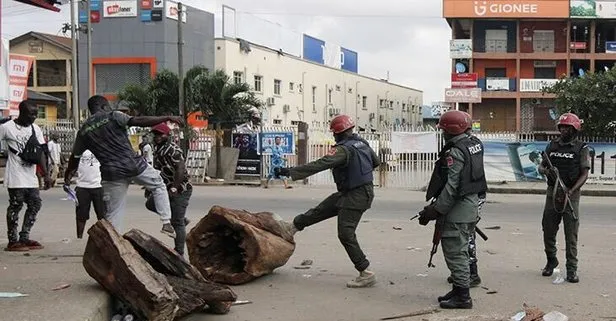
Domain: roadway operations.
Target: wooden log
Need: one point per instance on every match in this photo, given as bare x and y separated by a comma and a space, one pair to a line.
196, 293
116, 266
235, 246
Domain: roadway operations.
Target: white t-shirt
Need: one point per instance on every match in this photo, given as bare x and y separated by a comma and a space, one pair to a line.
148, 153
18, 174
54, 151
88, 172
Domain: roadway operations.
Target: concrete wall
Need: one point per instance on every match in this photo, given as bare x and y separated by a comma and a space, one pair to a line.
129, 37
298, 77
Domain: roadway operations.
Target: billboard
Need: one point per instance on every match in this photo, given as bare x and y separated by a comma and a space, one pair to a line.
119, 9
463, 95
316, 50
506, 8
461, 48
4, 74
601, 9
464, 80
19, 69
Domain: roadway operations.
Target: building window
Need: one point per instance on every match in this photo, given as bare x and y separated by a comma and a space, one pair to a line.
329, 96
51, 73
237, 77
42, 112
277, 83
295, 122
258, 80
391, 104
403, 107
543, 41
364, 102
496, 40
496, 72
314, 99
382, 103
291, 87
545, 73
277, 121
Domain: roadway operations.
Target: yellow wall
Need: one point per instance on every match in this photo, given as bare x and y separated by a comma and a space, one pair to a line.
51, 111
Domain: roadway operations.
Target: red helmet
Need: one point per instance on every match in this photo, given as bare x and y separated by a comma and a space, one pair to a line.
341, 123
454, 122
469, 119
571, 120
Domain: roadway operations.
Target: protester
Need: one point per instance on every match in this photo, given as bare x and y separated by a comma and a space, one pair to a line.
89, 191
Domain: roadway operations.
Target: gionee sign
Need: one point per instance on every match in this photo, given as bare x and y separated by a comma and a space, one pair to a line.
506, 8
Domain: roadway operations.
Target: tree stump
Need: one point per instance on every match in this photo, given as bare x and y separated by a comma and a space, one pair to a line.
195, 292
117, 266
235, 246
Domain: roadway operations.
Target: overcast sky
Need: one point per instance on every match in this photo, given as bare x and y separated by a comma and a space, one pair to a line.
408, 38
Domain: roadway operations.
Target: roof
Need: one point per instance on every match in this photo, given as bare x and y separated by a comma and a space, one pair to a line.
35, 95
59, 41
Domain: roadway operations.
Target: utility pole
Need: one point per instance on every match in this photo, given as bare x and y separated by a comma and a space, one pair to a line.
182, 106
74, 75
89, 32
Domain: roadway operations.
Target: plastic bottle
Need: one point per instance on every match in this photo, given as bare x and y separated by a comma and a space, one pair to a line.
558, 277
555, 316
129, 317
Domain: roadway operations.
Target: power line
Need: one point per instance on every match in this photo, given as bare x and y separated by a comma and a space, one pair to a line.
340, 15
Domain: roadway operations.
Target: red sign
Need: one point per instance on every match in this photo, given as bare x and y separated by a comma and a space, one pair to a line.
466, 80
146, 4
95, 16
19, 70
577, 45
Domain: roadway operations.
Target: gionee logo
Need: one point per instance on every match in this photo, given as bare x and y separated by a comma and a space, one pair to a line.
482, 8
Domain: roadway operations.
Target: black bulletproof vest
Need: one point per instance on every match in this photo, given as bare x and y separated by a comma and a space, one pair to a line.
478, 171
358, 170
567, 159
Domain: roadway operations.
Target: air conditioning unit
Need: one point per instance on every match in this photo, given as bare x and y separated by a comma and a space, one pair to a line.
371, 116
536, 101
286, 108
271, 101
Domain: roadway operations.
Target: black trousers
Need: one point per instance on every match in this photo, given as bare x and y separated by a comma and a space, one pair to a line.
17, 198
87, 197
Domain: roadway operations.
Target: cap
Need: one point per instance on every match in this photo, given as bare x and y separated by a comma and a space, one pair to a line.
161, 128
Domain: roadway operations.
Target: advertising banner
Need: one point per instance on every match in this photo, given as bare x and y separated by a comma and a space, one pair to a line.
506, 9
158, 4
171, 11
610, 46
4, 74
536, 85
19, 69
506, 161
601, 9
249, 160
287, 142
461, 49
463, 95
414, 142
332, 55
349, 60
464, 80
119, 9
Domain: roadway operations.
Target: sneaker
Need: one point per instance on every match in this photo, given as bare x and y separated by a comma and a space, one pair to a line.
168, 230
16, 247
33, 245
364, 280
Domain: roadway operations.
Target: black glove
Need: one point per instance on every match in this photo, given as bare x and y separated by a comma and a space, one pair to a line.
282, 171
428, 214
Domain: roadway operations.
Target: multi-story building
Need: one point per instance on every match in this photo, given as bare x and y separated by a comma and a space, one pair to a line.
295, 89
509, 50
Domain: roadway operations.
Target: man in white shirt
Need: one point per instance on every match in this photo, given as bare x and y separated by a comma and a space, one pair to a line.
55, 152
89, 191
26, 144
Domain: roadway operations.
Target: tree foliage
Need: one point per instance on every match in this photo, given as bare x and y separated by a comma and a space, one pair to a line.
592, 97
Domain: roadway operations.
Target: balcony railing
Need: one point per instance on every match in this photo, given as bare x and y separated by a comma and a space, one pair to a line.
536, 85
497, 84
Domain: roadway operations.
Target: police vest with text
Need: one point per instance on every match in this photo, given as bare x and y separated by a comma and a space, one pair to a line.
567, 158
472, 176
358, 171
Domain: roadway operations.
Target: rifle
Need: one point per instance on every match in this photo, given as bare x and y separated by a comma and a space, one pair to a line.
477, 229
436, 238
559, 188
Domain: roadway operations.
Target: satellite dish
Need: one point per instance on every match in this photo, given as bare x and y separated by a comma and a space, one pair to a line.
553, 114
460, 67
581, 72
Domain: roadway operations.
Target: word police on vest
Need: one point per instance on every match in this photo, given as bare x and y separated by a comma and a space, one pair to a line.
562, 155
246, 168
475, 149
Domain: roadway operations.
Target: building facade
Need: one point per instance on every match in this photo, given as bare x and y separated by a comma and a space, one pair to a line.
505, 52
132, 40
295, 89
50, 74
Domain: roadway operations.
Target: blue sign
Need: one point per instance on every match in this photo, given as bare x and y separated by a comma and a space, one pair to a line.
349, 60
83, 16
287, 142
610, 46
95, 5
313, 49
146, 15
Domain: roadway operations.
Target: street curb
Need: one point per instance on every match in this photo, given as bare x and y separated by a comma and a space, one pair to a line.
539, 191
103, 311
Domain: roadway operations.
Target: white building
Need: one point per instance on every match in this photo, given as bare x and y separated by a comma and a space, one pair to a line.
299, 90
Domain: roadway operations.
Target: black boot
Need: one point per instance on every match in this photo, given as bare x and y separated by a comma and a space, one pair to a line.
550, 266
475, 279
461, 299
572, 277
447, 296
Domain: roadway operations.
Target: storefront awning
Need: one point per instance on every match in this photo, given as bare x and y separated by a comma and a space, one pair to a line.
45, 4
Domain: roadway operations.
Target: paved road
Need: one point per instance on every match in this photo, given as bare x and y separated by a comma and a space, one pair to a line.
509, 262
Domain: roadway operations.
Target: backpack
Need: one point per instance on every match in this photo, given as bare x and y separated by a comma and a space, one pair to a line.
32, 152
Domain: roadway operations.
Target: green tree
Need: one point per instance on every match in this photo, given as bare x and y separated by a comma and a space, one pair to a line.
592, 97
137, 99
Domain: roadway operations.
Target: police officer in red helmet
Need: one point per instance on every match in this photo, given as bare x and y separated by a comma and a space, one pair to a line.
352, 161
570, 158
454, 189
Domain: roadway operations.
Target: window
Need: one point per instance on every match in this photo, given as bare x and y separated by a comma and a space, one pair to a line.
391, 104
237, 77
329, 96
545, 73
496, 72
42, 112
277, 121
543, 41
277, 86
295, 122
403, 107
258, 80
314, 99
382, 103
496, 40
291, 86
364, 102
51, 73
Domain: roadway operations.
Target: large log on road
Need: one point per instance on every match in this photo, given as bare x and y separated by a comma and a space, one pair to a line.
195, 292
119, 268
235, 246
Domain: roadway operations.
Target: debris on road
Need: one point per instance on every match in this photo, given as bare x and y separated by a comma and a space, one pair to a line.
306, 262
12, 294
61, 287
422, 275
529, 314
496, 227
301, 267
490, 252
410, 248
555, 316
241, 302
164, 286
492, 292
235, 246
397, 228
412, 314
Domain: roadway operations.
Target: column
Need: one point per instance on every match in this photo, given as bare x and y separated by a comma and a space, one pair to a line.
593, 28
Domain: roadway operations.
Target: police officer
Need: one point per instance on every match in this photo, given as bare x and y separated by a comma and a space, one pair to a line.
455, 192
571, 157
472, 244
352, 162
